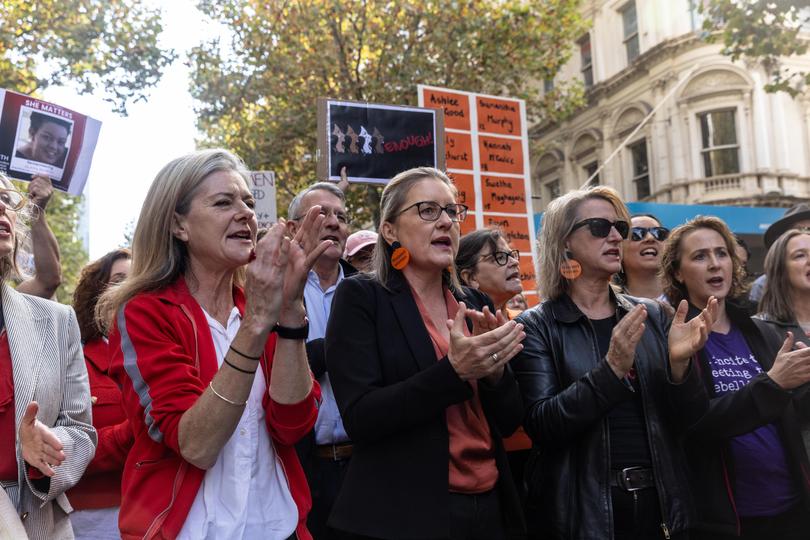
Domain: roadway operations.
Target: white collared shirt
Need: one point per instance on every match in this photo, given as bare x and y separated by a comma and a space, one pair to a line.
246, 493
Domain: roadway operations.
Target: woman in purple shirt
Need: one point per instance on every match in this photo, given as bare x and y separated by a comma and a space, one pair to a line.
749, 474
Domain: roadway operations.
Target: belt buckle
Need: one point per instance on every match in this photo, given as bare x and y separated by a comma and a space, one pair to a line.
334, 453
624, 480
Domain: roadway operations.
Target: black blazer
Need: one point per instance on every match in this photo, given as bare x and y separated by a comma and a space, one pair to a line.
393, 394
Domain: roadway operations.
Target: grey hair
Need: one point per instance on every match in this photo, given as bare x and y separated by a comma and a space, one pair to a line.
295, 204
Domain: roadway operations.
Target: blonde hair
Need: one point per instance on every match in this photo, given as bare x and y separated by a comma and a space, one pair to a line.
671, 259
158, 258
392, 201
8, 263
558, 221
777, 300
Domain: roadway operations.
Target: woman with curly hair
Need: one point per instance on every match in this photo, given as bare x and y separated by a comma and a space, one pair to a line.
747, 463
96, 498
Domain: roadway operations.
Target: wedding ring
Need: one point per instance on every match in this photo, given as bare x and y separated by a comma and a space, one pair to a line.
494, 357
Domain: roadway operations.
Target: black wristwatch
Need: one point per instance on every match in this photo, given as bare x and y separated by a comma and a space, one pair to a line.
285, 332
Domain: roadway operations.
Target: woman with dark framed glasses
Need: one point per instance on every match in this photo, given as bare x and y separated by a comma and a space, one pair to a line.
487, 263
422, 381
641, 259
607, 385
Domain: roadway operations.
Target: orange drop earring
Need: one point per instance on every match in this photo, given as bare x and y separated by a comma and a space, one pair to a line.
400, 257
570, 267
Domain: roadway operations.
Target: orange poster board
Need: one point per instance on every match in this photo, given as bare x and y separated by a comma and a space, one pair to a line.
515, 228
466, 190
502, 194
498, 115
456, 107
528, 275
458, 149
468, 225
499, 154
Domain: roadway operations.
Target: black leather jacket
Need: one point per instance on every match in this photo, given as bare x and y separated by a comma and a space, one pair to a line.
568, 391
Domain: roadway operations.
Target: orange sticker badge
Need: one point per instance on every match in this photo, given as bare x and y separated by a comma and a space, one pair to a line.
400, 257
570, 269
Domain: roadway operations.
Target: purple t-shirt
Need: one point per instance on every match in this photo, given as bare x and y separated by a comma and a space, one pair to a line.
763, 482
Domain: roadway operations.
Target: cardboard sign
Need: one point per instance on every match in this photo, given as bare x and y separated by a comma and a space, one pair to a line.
487, 150
263, 186
375, 142
39, 138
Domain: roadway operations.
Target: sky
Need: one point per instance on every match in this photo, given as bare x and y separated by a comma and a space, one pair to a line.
132, 149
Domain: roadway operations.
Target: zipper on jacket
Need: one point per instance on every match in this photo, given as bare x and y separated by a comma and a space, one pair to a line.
665, 529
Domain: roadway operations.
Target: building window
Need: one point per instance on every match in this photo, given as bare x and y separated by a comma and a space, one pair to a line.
590, 169
720, 152
548, 85
630, 23
586, 60
641, 169
553, 189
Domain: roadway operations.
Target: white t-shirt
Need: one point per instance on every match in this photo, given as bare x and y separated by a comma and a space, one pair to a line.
246, 493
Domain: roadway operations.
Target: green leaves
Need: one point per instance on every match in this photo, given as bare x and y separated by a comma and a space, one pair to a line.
92, 43
765, 31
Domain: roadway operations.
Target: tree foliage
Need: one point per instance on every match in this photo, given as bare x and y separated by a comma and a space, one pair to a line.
765, 31
93, 44
257, 94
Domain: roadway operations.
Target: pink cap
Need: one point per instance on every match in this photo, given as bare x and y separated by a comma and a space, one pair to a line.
357, 241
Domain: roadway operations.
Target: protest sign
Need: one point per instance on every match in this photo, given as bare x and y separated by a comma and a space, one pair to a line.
263, 186
375, 142
487, 148
45, 139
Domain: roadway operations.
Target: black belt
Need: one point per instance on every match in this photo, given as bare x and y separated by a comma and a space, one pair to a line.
632, 478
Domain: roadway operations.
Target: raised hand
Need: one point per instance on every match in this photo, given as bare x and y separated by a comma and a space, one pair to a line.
40, 190
624, 339
305, 249
40, 447
484, 355
484, 321
791, 368
265, 278
687, 338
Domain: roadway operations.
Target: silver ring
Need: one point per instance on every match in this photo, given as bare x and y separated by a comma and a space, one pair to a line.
494, 357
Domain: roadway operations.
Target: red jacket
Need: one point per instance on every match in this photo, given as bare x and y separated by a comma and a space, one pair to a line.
164, 357
100, 487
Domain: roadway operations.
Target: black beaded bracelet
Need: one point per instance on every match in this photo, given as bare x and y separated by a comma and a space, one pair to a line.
243, 355
285, 332
237, 368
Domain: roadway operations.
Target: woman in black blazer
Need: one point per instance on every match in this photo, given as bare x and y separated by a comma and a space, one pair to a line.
422, 382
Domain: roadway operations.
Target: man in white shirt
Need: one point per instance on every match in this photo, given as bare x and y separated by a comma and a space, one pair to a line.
324, 455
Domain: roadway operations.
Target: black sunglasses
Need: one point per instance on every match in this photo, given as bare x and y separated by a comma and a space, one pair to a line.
600, 227
637, 234
502, 257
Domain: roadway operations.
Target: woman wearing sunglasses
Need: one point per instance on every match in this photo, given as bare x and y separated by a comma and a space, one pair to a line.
641, 258
421, 381
748, 468
487, 263
605, 391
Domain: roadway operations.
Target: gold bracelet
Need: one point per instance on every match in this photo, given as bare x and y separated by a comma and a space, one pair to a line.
223, 398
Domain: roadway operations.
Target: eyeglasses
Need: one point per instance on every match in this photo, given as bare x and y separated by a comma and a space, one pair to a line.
431, 211
502, 257
637, 234
600, 227
12, 199
342, 217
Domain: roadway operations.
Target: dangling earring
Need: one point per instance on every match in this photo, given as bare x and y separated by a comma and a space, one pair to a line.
400, 256
570, 267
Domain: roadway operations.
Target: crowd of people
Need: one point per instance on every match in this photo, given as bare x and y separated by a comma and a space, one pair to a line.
219, 381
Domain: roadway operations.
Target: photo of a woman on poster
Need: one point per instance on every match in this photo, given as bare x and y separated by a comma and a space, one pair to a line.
48, 137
